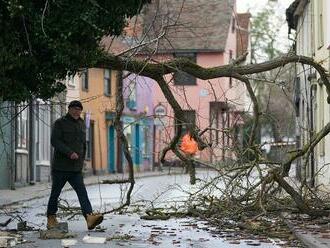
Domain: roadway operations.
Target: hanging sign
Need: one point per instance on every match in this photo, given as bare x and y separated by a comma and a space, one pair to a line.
160, 110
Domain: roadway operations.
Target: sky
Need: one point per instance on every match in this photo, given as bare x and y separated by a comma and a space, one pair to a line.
255, 6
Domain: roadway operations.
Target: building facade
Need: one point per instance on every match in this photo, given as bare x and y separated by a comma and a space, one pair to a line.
7, 145
25, 141
138, 120
97, 94
204, 32
309, 20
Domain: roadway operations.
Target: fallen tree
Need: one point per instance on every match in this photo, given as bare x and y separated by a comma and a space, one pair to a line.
276, 173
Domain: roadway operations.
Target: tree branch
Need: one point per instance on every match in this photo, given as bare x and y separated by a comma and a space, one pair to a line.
309, 146
155, 70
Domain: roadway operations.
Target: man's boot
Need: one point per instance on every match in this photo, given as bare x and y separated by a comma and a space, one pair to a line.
93, 220
51, 221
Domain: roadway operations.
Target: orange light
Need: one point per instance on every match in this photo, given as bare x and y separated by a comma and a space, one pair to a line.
188, 145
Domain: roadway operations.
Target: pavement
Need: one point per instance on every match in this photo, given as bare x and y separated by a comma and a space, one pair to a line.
314, 233
311, 232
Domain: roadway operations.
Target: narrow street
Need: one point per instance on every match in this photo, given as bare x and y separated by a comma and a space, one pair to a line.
128, 230
115, 88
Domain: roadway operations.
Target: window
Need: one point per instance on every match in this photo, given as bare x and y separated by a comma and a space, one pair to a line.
22, 113
84, 80
319, 23
89, 136
219, 119
190, 117
146, 139
107, 82
127, 130
131, 98
70, 81
183, 78
214, 123
57, 110
43, 129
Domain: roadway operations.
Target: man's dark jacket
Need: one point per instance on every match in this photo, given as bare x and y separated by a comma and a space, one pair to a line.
68, 136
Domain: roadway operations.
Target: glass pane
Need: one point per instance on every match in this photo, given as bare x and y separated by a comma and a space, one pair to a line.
106, 73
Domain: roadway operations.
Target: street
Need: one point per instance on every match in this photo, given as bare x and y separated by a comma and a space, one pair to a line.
128, 230
235, 93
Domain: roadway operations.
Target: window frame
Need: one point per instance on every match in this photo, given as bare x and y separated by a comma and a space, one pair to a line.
43, 130
219, 118
181, 78
85, 80
22, 126
89, 136
189, 114
131, 101
71, 81
146, 142
319, 23
107, 81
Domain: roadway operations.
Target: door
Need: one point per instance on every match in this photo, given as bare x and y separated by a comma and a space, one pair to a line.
111, 149
137, 151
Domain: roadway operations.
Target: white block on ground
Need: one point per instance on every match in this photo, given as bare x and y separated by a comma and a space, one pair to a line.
68, 242
94, 240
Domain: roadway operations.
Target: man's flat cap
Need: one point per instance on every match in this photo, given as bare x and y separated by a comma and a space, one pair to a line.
75, 103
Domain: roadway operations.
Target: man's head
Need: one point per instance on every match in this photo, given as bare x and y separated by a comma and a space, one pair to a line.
75, 108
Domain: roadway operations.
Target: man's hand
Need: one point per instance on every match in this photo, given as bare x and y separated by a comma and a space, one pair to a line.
74, 156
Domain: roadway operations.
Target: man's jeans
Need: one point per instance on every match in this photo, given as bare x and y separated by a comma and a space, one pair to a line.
76, 180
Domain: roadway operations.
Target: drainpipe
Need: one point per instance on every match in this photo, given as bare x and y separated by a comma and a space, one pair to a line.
11, 157
299, 172
32, 150
312, 95
153, 147
312, 182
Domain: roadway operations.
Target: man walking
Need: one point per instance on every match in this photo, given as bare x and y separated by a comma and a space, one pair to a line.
69, 141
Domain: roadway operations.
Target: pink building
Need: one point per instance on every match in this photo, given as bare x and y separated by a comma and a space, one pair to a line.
205, 32
210, 33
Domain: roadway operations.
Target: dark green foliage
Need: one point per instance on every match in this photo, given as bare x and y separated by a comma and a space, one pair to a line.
43, 41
